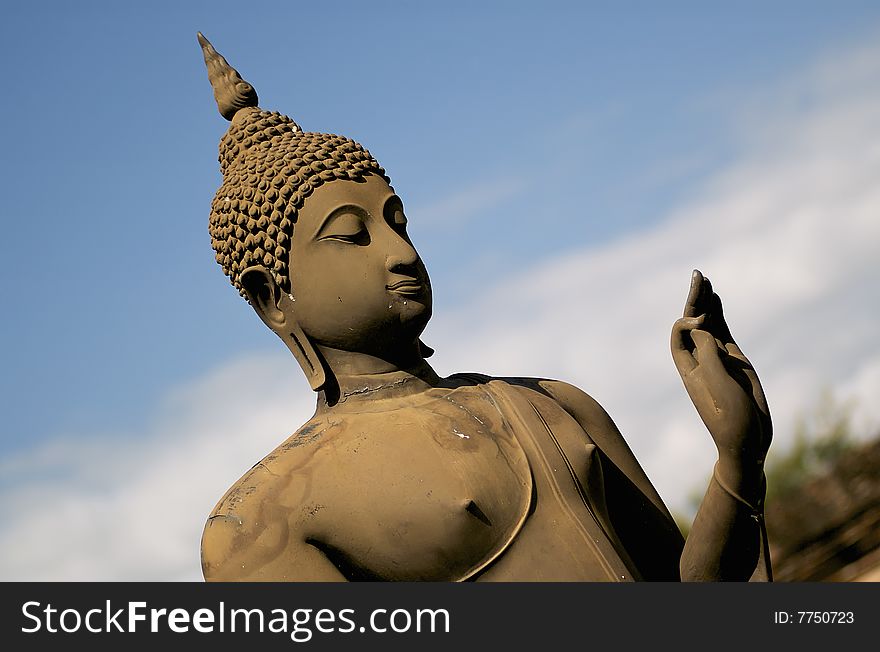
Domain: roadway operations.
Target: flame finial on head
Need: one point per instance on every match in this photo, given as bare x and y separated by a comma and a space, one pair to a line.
230, 90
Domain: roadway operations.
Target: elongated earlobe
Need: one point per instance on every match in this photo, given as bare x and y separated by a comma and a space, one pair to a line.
276, 310
306, 355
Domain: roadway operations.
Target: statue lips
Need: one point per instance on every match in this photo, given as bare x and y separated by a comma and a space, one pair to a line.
409, 287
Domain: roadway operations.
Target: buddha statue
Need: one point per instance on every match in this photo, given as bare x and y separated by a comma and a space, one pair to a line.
404, 475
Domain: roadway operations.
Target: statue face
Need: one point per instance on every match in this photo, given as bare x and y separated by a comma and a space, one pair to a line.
357, 281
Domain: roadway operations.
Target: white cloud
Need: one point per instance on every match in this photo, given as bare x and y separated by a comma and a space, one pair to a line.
789, 235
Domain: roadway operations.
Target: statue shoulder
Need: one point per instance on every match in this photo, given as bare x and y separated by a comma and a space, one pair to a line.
587, 411
597, 424
583, 407
256, 531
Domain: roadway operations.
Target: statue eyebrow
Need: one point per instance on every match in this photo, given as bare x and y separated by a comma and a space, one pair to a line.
354, 208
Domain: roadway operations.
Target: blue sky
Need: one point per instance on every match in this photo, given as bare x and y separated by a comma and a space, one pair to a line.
601, 147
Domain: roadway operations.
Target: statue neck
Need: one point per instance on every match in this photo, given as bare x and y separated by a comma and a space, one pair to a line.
363, 377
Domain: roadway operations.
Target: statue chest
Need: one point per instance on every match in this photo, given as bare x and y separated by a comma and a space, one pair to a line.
433, 491
430, 491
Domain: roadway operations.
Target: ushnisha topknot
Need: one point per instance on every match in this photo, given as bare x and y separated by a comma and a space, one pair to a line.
269, 166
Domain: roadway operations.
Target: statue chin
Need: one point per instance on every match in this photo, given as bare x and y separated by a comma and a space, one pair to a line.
387, 340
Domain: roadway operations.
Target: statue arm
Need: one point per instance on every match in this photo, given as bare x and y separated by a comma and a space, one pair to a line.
728, 539
640, 519
597, 423
263, 538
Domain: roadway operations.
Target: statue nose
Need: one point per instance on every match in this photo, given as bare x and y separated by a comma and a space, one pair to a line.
400, 254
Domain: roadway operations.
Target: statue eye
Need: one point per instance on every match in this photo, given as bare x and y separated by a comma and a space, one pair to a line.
345, 227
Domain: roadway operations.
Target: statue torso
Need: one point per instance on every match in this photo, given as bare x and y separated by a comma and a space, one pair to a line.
436, 486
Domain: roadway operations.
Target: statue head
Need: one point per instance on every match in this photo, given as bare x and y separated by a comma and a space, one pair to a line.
309, 230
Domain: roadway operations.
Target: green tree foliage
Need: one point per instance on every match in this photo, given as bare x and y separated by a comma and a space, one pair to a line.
819, 440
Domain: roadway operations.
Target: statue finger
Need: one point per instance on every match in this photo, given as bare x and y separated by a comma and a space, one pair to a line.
681, 343
721, 330
706, 304
707, 353
741, 370
752, 383
690, 305
706, 290
714, 392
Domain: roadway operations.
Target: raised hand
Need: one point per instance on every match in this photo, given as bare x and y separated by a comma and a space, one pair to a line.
722, 384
